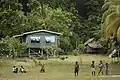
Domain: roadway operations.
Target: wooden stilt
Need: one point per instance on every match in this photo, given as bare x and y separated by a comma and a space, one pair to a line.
29, 52
54, 53
118, 56
47, 53
41, 51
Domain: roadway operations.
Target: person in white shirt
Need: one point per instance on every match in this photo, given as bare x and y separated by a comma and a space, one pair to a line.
22, 70
14, 70
101, 66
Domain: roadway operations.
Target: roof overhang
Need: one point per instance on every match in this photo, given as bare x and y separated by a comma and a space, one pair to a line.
31, 32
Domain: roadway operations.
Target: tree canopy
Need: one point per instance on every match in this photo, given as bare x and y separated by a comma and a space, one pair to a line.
18, 16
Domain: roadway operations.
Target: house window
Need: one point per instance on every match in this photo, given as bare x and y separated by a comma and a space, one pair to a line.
47, 39
50, 39
35, 39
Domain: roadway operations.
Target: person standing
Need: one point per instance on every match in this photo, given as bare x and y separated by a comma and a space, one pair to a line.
76, 68
42, 68
93, 68
106, 66
101, 66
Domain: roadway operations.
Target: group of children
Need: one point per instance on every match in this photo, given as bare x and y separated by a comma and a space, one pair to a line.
22, 69
101, 67
93, 70
15, 69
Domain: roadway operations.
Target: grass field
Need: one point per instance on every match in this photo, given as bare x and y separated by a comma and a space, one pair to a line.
57, 69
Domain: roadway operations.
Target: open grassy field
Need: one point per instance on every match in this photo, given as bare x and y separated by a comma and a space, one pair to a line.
57, 69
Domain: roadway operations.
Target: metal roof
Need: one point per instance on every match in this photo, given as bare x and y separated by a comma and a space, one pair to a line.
89, 41
31, 32
95, 45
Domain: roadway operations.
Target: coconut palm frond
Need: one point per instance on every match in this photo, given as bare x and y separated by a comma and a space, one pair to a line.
110, 18
107, 5
118, 34
112, 28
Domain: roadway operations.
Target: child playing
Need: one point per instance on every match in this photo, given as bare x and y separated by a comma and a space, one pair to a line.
22, 70
42, 68
93, 68
106, 66
76, 68
101, 66
14, 69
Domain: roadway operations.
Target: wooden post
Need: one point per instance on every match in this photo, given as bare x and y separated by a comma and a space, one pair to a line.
22, 40
47, 53
53, 53
29, 52
42, 52
118, 56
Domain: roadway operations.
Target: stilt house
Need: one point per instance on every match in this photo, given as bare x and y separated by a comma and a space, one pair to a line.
38, 40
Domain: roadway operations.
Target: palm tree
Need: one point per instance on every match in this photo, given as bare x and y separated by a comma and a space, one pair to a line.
110, 25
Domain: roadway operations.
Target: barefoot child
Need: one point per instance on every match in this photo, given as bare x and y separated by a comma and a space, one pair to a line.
106, 66
22, 69
93, 68
42, 68
76, 68
101, 66
14, 69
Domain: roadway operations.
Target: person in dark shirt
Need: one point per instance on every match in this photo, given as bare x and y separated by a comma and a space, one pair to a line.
42, 68
106, 66
101, 66
76, 68
93, 68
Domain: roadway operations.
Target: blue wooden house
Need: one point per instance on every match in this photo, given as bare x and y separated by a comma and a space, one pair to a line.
39, 40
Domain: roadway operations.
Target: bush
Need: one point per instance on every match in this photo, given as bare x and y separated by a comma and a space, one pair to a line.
60, 51
12, 46
22, 60
81, 48
62, 58
75, 52
4, 49
42, 58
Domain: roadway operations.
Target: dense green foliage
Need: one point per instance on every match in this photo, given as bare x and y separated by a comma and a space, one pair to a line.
12, 47
62, 16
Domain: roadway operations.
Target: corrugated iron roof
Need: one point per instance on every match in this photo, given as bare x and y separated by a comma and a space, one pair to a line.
88, 41
95, 45
31, 32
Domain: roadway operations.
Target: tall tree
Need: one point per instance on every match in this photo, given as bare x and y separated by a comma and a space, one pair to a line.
111, 19
12, 19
